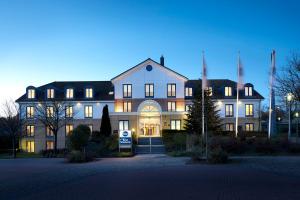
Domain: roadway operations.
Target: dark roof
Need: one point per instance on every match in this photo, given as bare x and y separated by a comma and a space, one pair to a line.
101, 90
145, 61
218, 86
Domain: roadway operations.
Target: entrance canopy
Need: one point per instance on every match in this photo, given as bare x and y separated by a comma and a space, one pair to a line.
149, 108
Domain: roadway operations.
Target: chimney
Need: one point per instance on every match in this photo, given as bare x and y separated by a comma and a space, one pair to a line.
162, 60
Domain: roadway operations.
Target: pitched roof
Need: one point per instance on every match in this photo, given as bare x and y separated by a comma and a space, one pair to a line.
101, 90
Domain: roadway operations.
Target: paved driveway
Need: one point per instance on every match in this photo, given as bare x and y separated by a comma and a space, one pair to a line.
150, 177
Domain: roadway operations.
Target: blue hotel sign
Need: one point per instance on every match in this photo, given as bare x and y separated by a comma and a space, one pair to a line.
125, 139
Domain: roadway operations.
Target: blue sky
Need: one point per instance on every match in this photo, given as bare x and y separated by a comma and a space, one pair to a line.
63, 40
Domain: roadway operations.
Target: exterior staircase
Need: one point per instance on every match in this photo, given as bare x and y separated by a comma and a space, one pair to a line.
150, 145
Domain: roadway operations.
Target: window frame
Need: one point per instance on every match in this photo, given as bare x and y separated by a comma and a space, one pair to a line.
125, 105
67, 94
145, 87
229, 88
230, 105
123, 91
176, 124
188, 92
32, 146
30, 128
85, 113
249, 125
50, 93
123, 122
49, 111
171, 85
252, 112
67, 112
248, 91
229, 125
68, 129
49, 132
171, 103
31, 94
30, 115
90, 91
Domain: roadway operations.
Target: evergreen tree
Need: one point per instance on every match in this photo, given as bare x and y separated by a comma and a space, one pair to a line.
105, 128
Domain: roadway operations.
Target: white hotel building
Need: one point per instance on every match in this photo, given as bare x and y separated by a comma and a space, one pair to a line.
146, 98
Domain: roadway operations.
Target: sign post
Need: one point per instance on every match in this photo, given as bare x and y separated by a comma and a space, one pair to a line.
125, 140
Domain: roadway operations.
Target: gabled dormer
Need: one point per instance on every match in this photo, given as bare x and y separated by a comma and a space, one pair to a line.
31, 92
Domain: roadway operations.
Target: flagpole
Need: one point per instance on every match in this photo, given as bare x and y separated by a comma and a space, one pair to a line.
237, 97
271, 93
204, 135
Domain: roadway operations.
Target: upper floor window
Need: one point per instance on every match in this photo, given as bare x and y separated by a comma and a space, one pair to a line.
210, 91
171, 106
31, 93
88, 92
88, 111
188, 92
149, 90
127, 106
249, 110
175, 124
171, 90
228, 110
188, 107
69, 128
69, 111
29, 111
127, 90
50, 111
30, 130
49, 132
228, 91
50, 93
69, 93
248, 91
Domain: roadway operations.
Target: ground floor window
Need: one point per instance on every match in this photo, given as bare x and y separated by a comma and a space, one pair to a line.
249, 127
229, 127
69, 128
123, 125
175, 124
30, 146
49, 145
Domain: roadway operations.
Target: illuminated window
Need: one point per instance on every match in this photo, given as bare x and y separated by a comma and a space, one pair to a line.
30, 146
88, 92
171, 106
149, 90
50, 93
229, 127
91, 127
188, 107
171, 90
31, 93
228, 110
188, 92
69, 93
248, 91
249, 127
88, 111
123, 125
228, 91
69, 111
30, 130
29, 111
127, 106
210, 91
249, 110
127, 90
49, 145
49, 132
50, 111
175, 124
69, 129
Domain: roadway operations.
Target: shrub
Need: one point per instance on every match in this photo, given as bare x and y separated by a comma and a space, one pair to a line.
79, 157
174, 140
196, 153
265, 147
217, 156
294, 148
79, 137
50, 153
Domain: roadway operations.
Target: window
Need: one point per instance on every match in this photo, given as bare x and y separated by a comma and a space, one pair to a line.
175, 124
88, 111
29, 112
69, 111
249, 127
69, 93
188, 107
149, 90
30, 146
248, 91
229, 127
188, 92
91, 127
49, 145
123, 125
50, 111
69, 128
171, 90
50, 93
249, 110
228, 110
171, 106
228, 91
126, 106
127, 90
30, 130
31, 93
210, 91
49, 132
88, 92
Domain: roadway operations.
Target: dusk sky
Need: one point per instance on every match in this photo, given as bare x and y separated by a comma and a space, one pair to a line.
59, 40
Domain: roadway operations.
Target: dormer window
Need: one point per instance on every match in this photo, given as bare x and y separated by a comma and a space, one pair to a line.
31, 93
70, 93
88, 92
228, 91
188, 92
50, 93
248, 91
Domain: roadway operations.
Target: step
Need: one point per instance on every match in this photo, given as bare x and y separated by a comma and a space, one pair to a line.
145, 149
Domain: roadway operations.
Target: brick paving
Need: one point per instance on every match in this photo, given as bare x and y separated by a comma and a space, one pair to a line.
150, 177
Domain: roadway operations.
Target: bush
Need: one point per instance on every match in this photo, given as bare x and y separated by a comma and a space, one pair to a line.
294, 148
79, 157
217, 156
50, 153
174, 140
79, 137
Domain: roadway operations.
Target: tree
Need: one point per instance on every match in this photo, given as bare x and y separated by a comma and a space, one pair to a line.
12, 123
80, 137
105, 128
52, 114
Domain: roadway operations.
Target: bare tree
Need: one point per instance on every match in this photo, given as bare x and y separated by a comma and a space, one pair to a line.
12, 123
54, 115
